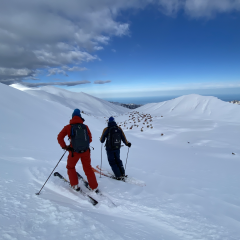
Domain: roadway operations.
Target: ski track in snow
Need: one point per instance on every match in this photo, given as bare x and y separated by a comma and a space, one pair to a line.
189, 162
62, 218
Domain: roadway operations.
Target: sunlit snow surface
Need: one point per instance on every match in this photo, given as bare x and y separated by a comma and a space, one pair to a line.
188, 157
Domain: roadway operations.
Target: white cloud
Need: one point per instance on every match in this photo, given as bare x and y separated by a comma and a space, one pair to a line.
97, 48
206, 8
102, 39
54, 71
39, 34
122, 29
113, 50
55, 83
12, 75
74, 69
64, 69
170, 7
52, 57
199, 8
102, 82
21, 72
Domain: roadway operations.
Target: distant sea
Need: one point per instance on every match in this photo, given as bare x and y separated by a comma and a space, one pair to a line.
145, 100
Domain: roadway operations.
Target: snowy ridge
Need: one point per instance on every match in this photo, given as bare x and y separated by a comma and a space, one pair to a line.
190, 167
85, 102
194, 105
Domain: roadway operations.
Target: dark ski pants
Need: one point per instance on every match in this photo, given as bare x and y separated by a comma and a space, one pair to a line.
115, 162
87, 168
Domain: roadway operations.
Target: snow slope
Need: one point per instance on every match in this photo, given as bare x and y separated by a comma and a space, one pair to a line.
191, 174
85, 102
194, 105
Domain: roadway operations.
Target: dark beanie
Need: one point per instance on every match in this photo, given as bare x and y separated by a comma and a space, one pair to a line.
111, 119
76, 112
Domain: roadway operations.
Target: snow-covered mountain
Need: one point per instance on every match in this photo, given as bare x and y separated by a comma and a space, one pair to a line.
190, 166
85, 102
194, 105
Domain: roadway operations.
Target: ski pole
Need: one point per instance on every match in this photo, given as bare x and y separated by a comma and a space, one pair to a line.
126, 161
51, 173
101, 163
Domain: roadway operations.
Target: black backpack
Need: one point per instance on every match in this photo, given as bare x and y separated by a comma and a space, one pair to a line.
79, 138
114, 138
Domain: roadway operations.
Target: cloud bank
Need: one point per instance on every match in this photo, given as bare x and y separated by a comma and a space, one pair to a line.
101, 82
64, 69
199, 8
69, 84
49, 34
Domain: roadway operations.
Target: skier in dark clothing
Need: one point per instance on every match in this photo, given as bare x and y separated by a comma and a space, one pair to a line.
114, 135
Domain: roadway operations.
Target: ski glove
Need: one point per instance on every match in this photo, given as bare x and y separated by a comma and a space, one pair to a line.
129, 144
68, 148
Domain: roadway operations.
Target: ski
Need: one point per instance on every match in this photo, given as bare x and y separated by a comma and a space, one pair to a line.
126, 179
89, 198
102, 173
86, 184
106, 173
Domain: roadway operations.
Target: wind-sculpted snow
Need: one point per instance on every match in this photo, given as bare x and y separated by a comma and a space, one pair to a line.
87, 103
190, 166
194, 106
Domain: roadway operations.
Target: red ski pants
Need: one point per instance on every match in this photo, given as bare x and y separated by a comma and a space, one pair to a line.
87, 168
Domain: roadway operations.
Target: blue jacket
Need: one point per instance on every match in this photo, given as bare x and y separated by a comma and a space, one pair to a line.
106, 131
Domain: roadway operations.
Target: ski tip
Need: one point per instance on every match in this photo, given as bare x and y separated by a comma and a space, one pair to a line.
57, 174
94, 202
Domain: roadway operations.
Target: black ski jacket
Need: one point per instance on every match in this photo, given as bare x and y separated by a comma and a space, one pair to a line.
105, 135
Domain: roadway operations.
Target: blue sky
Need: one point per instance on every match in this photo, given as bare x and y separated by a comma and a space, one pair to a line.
169, 53
156, 49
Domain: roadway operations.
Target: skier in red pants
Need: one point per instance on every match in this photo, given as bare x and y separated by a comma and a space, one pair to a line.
80, 137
